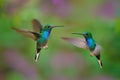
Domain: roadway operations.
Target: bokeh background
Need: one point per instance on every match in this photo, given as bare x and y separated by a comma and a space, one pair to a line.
61, 61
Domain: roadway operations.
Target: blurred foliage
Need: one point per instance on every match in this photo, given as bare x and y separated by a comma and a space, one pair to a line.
61, 61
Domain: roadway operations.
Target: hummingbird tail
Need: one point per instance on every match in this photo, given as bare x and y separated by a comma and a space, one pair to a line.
38, 50
37, 54
100, 63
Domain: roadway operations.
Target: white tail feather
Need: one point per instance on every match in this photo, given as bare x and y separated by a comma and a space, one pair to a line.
100, 63
36, 57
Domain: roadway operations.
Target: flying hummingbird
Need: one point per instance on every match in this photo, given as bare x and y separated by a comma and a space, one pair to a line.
40, 35
86, 43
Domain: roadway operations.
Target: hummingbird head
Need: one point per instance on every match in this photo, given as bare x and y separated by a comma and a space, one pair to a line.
49, 27
90, 41
85, 34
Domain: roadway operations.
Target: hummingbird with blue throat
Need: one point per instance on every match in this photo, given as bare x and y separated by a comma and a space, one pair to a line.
40, 35
87, 43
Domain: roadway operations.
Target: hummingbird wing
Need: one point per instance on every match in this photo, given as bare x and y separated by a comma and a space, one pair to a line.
37, 25
30, 34
78, 42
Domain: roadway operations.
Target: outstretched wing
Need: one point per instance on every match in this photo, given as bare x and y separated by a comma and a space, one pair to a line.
37, 25
78, 42
30, 34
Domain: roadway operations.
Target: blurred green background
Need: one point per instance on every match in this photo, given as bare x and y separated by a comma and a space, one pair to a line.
61, 61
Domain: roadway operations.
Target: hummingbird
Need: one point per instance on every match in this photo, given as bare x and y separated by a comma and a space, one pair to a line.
87, 43
40, 35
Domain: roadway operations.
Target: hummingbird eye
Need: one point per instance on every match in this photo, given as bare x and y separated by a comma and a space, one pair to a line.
48, 26
87, 34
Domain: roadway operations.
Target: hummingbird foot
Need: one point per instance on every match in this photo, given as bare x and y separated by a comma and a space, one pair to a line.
91, 54
36, 57
45, 47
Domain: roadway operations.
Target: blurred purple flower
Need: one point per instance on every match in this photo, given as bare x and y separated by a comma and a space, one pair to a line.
14, 5
56, 7
62, 7
20, 64
107, 10
67, 59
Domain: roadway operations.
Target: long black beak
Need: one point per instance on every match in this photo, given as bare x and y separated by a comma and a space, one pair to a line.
56, 26
78, 33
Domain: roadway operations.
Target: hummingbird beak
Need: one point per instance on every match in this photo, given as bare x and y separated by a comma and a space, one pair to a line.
56, 26
78, 33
